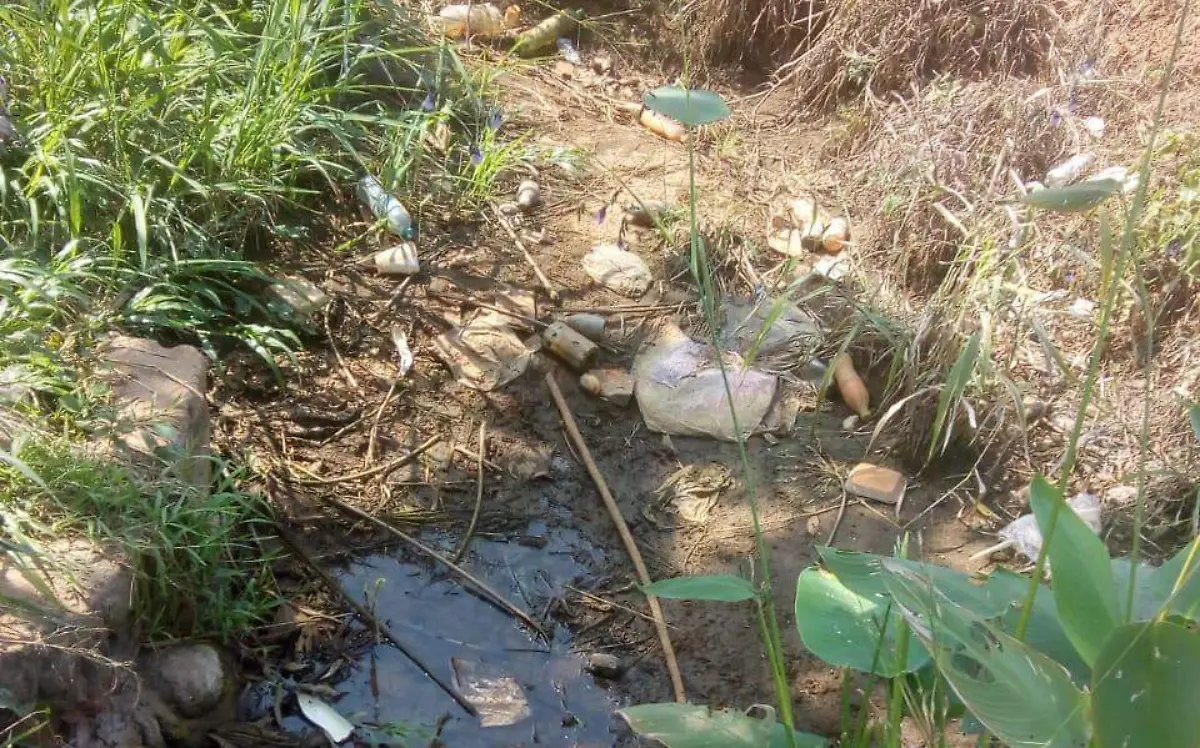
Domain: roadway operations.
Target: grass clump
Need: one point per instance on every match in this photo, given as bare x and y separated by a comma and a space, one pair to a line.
198, 567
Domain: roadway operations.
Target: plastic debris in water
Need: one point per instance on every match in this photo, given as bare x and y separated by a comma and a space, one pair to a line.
568, 51
336, 727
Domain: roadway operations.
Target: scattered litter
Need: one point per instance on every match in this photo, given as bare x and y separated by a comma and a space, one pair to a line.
833, 267
680, 389
399, 260
876, 483
404, 355
850, 423
1024, 535
619, 270
568, 51
808, 217
1069, 171
566, 343
662, 125
484, 354
482, 20
693, 490
1129, 182
499, 698
647, 213
519, 301
1084, 309
836, 236
538, 39
385, 207
509, 209
336, 727
767, 329
589, 325
303, 296
613, 385
604, 665
851, 386
1094, 126
529, 195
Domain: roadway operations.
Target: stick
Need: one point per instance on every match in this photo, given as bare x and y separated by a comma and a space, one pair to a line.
372, 621
337, 354
466, 543
488, 593
370, 456
620, 309
387, 467
837, 522
528, 257
1003, 545
660, 621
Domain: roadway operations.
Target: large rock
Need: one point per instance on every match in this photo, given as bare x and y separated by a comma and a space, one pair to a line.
190, 677
159, 394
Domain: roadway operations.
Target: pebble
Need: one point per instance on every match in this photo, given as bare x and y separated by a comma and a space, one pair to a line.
603, 665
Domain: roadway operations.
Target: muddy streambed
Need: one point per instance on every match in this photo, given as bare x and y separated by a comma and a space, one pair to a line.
528, 691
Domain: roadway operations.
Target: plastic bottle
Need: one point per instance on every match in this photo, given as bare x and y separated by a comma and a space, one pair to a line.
477, 19
537, 39
383, 205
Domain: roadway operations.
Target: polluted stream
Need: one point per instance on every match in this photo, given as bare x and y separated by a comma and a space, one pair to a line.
527, 691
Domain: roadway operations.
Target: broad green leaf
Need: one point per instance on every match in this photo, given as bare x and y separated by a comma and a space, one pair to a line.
1083, 579
1073, 199
1019, 694
1043, 632
952, 390
1170, 580
1147, 599
849, 628
1194, 417
694, 726
1145, 691
722, 588
688, 106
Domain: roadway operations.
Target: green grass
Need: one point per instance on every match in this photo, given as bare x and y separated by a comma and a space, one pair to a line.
198, 568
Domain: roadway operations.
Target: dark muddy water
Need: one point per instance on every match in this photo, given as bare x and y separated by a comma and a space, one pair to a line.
510, 674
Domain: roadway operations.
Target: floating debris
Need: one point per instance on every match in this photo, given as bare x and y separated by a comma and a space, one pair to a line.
499, 698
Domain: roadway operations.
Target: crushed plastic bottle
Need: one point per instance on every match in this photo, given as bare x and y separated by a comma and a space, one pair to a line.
482, 20
385, 206
568, 51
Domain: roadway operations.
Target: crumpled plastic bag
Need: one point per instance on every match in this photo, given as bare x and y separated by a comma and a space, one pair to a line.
499, 698
680, 390
617, 269
1025, 536
485, 353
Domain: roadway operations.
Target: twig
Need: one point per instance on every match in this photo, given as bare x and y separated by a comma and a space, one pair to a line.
337, 354
612, 603
660, 622
474, 456
1001, 546
370, 456
374, 623
466, 542
837, 522
528, 257
391, 300
620, 309
489, 594
387, 467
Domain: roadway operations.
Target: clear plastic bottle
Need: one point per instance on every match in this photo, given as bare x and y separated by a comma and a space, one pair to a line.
384, 205
477, 19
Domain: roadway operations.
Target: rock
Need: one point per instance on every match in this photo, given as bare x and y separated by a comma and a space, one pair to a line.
192, 678
613, 385
159, 394
876, 483
618, 270
603, 665
303, 296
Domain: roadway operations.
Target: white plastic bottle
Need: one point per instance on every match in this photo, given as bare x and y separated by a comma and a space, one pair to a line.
384, 205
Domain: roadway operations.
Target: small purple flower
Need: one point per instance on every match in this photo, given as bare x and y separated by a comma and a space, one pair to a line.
495, 119
1087, 69
601, 215
430, 102
1069, 278
1056, 118
476, 155
1174, 249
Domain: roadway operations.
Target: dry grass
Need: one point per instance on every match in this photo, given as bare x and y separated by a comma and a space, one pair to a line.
831, 48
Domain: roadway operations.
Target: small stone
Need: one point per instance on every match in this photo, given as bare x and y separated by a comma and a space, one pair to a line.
603, 665
850, 423
876, 483
192, 677
613, 385
303, 296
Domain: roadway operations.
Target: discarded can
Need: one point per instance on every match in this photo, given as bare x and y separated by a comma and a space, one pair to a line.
566, 343
372, 193
399, 260
590, 326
